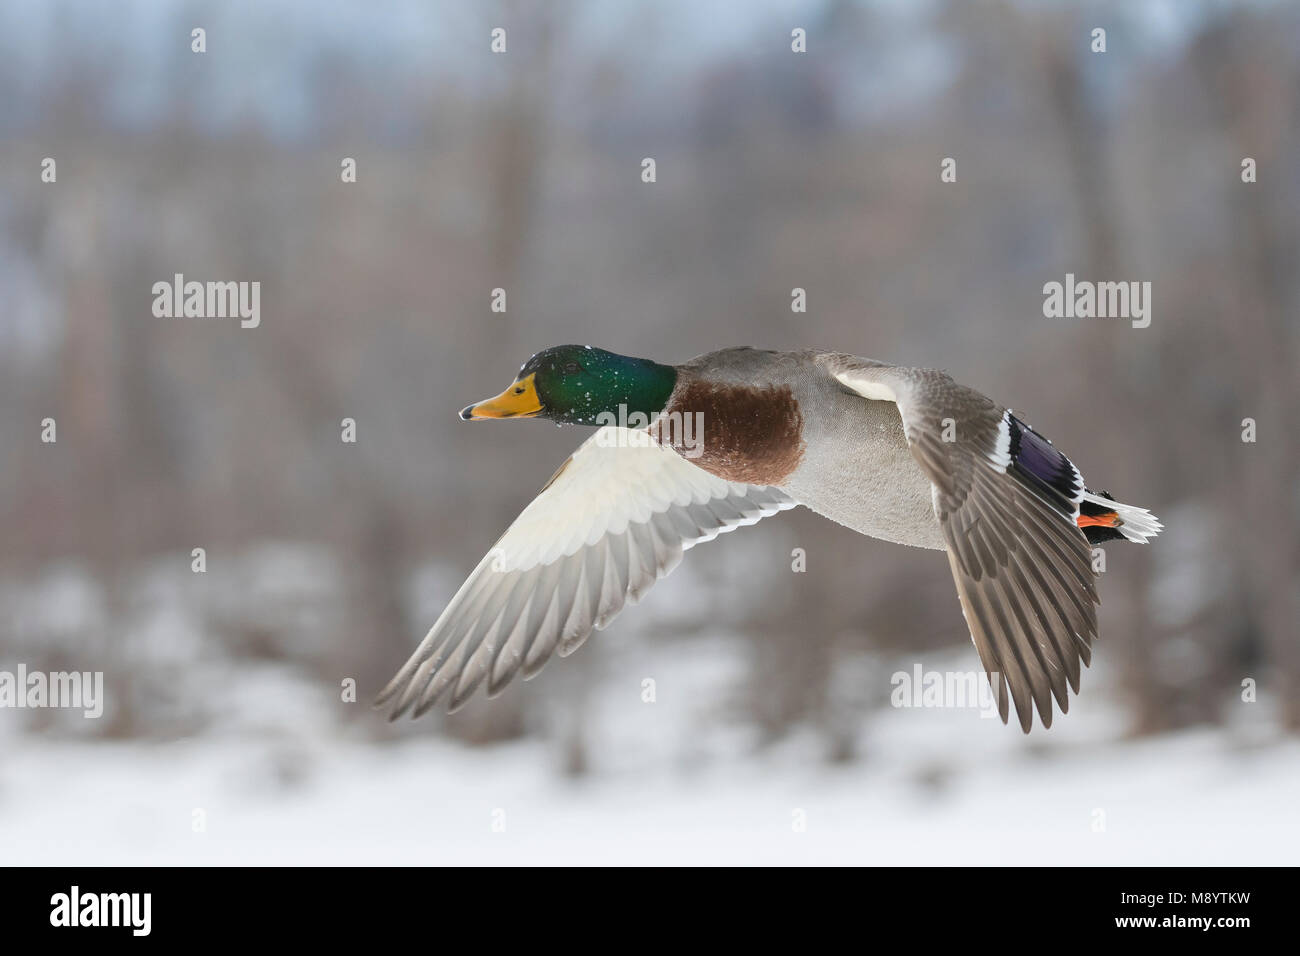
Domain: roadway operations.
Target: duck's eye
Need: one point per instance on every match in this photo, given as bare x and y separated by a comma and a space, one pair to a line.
573, 368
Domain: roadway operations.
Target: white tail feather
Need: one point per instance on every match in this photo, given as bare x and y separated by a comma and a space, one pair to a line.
1136, 524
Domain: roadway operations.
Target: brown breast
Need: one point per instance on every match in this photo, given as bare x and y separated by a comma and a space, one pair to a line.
740, 433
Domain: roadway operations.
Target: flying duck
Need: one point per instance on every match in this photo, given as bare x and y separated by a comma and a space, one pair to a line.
686, 452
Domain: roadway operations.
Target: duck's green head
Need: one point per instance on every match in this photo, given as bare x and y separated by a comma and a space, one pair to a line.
581, 385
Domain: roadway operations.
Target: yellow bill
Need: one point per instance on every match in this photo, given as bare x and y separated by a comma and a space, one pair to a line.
518, 401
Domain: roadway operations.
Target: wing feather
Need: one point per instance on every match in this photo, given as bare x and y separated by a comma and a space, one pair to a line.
1022, 567
615, 518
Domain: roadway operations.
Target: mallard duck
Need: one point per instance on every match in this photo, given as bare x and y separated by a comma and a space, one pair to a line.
684, 453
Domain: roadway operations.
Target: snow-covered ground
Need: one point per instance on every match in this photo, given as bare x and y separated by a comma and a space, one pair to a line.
929, 786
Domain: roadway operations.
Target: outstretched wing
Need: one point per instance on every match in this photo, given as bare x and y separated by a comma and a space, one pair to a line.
1022, 566
613, 520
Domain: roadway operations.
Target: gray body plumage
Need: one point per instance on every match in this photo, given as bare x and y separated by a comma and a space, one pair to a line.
857, 469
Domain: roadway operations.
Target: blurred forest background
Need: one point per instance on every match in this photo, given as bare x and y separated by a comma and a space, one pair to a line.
328, 560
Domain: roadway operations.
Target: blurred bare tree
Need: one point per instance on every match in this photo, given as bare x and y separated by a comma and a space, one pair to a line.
520, 172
